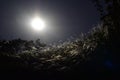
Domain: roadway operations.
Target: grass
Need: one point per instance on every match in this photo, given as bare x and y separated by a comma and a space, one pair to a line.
87, 55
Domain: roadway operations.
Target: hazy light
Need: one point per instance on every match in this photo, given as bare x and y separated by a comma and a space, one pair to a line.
38, 24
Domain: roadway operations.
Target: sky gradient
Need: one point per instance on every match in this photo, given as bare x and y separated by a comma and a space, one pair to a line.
64, 18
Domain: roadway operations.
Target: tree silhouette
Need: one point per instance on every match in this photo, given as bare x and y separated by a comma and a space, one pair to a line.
110, 17
111, 21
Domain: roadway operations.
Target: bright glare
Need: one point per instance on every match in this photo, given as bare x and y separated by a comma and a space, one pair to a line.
38, 24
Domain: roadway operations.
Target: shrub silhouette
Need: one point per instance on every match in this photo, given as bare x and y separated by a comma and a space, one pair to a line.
61, 56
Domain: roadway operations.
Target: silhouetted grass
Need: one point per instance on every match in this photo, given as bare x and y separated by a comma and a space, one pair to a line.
58, 57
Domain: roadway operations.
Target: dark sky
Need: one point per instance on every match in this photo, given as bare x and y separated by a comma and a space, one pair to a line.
64, 18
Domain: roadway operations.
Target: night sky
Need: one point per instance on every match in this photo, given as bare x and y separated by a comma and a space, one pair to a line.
64, 18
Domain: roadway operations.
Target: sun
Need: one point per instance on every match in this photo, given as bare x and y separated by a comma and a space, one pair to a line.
37, 24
